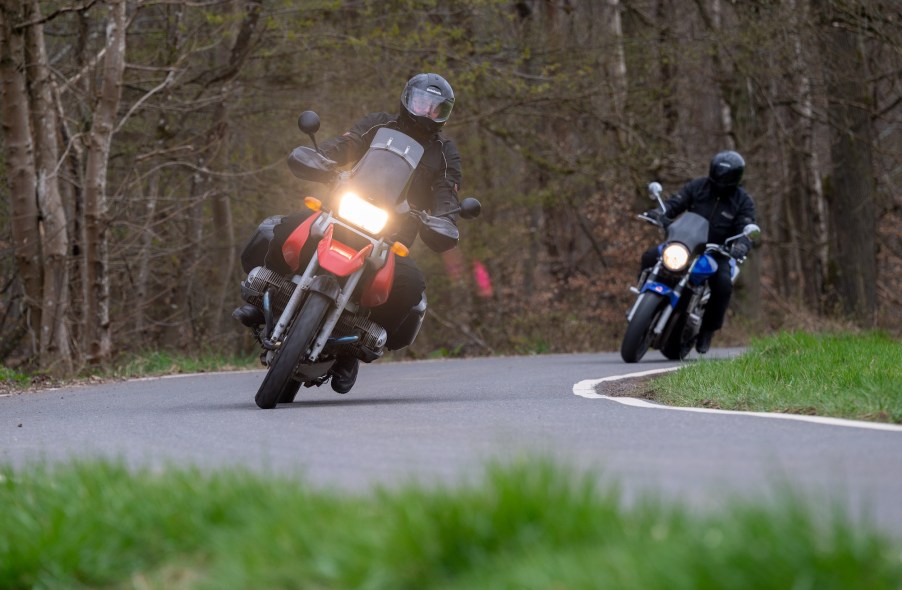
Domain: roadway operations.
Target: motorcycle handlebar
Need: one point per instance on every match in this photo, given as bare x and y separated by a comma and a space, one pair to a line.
650, 220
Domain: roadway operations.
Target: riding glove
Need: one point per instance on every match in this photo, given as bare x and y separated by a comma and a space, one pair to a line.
740, 249
655, 214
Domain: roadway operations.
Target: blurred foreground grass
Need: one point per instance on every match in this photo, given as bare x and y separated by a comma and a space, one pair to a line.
528, 525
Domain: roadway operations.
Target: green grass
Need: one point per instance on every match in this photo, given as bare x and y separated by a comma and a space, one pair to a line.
144, 364
840, 375
154, 363
13, 378
530, 525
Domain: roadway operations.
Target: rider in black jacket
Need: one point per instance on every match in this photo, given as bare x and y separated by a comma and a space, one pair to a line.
426, 104
728, 209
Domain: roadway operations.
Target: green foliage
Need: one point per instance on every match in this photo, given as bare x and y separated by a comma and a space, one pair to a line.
557, 136
13, 377
833, 374
526, 525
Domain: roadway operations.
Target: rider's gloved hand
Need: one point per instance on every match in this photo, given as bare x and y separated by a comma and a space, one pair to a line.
655, 214
740, 249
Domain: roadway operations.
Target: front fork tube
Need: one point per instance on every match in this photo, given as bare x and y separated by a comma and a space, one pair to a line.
272, 342
668, 311
644, 278
335, 314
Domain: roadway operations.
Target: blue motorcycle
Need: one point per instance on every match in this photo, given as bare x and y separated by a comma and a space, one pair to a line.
673, 293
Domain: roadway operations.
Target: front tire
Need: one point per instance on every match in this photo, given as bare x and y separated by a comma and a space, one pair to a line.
290, 391
679, 344
640, 331
278, 380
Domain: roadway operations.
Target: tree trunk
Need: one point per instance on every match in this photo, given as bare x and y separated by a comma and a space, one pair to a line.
98, 152
616, 71
224, 231
55, 353
851, 195
142, 303
17, 141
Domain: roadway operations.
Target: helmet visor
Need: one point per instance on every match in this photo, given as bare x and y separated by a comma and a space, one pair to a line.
423, 103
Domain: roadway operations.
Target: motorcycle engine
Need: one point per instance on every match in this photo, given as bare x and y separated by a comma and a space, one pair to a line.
259, 280
370, 344
371, 337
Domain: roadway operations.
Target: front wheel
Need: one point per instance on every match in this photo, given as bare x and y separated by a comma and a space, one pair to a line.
640, 331
290, 392
278, 380
679, 344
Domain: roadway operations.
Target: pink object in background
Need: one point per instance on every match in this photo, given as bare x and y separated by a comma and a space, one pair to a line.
483, 280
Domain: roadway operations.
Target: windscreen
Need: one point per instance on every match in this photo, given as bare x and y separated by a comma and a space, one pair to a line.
383, 173
689, 229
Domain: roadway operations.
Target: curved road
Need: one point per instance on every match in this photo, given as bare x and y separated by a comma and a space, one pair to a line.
440, 420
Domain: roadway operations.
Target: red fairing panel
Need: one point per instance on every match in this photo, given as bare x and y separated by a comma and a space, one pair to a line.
291, 249
339, 259
376, 293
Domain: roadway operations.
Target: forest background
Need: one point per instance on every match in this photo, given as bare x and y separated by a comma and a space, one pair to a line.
144, 140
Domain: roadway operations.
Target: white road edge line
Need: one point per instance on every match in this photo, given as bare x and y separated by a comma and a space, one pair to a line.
586, 388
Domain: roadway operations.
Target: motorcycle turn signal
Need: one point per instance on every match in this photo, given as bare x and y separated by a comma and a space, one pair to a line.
400, 249
313, 203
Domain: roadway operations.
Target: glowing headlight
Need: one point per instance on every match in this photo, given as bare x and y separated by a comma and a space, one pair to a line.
675, 257
361, 213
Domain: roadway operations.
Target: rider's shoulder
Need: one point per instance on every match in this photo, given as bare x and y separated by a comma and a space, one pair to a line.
695, 187
371, 122
743, 194
377, 117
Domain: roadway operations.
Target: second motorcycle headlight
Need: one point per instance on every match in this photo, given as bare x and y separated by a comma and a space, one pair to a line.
675, 257
362, 213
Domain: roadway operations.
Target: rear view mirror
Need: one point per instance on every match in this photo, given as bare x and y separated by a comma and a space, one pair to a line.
654, 190
308, 122
470, 208
752, 232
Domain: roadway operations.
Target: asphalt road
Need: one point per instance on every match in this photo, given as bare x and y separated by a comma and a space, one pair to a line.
440, 421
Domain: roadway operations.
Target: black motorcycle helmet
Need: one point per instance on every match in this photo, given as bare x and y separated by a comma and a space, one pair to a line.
726, 170
427, 101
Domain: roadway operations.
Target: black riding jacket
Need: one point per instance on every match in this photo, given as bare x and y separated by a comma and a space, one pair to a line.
727, 214
436, 180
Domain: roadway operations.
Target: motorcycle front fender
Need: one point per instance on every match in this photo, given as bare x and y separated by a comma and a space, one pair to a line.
325, 284
661, 289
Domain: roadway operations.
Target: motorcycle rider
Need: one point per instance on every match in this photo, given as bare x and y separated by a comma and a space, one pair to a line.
728, 208
426, 103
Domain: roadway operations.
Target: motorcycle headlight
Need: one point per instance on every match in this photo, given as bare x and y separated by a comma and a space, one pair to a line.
362, 213
675, 257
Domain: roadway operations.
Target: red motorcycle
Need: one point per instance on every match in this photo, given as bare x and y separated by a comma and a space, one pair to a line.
343, 260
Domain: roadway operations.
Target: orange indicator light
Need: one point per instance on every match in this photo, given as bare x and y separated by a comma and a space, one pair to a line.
400, 249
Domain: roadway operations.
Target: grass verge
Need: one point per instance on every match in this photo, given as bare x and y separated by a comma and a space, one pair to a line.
530, 525
155, 363
839, 375
145, 364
